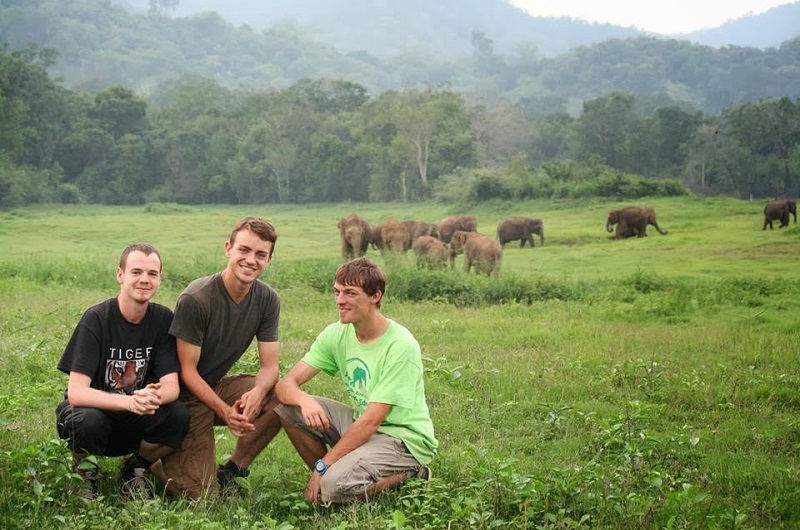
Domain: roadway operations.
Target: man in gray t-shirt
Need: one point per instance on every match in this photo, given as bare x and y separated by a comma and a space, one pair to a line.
216, 319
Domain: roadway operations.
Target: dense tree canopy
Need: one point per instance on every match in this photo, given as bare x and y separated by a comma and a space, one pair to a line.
196, 141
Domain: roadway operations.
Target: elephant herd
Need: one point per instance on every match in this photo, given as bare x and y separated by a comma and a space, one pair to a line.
633, 220
436, 245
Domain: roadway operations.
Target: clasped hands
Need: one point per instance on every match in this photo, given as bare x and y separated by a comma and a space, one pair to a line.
238, 416
145, 401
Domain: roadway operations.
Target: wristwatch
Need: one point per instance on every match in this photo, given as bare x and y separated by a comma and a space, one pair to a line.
320, 466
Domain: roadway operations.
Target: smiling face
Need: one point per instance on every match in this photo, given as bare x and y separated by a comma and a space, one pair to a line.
140, 278
358, 287
248, 256
354, 304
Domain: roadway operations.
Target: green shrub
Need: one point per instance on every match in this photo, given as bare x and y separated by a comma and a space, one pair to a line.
625, 186
672, 188
539, 186
473, 290
164, 208
314, 273
454, 188
490, 187
68, 193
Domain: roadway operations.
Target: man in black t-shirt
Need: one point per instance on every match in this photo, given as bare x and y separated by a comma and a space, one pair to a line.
122, 394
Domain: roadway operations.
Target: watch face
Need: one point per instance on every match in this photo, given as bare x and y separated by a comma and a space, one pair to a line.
320, 466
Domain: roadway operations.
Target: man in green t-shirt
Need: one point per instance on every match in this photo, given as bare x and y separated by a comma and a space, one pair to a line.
386, 435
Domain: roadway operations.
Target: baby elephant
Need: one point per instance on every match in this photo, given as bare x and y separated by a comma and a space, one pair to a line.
480, 251
431, 253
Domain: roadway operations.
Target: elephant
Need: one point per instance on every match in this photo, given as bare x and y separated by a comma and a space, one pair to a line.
421, 228
779, 210
449, 225
391, 235
632, 221
522, 228
431, 252
375, 237
355, 233
481, 252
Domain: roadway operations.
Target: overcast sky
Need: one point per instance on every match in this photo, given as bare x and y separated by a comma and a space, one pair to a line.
674, 16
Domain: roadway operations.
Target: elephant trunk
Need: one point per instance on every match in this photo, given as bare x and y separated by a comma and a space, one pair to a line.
609, 226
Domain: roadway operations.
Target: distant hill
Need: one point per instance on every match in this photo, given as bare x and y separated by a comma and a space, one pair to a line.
384, 27
767, 30
475, 47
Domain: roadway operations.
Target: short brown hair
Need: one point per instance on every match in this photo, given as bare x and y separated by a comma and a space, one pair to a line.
144, 248
260, 227
364, 273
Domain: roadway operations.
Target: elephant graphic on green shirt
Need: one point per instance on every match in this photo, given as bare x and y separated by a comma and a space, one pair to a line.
359, 377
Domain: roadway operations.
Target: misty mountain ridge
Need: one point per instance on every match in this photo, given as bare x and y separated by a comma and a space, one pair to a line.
487, 50
767, 30
385, 27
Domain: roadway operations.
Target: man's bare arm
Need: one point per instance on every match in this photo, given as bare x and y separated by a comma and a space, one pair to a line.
267, 376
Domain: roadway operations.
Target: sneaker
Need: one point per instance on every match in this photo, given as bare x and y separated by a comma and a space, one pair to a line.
89, 477
422, 473
133, 484
226, 478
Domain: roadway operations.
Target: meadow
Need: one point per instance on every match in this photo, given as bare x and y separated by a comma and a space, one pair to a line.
647, 383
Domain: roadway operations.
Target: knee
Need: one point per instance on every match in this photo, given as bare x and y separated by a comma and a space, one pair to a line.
339, 485
179, 416
289, 415
332, 488
87, 429
271, 404
191, 472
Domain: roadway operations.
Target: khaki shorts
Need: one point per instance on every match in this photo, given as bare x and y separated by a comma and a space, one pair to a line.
351, 476
192, 471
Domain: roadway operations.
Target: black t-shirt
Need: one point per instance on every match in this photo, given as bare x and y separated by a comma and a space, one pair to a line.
119, 356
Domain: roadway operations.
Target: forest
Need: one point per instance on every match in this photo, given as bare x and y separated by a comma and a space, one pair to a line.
622, 119
326, 140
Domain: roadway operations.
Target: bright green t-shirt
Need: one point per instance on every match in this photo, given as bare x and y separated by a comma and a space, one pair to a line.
388, 370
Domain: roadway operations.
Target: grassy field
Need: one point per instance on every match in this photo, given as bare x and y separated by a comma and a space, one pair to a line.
645, 383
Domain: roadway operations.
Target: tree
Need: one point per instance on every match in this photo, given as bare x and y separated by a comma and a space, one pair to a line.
119, 111
699, 172
556, 137
276, 145
132, 171
485, 61
770, 132
196, 135
33, 108
673, 130
414, 137
605, 128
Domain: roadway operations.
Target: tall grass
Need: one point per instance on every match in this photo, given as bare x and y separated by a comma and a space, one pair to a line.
647, 383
